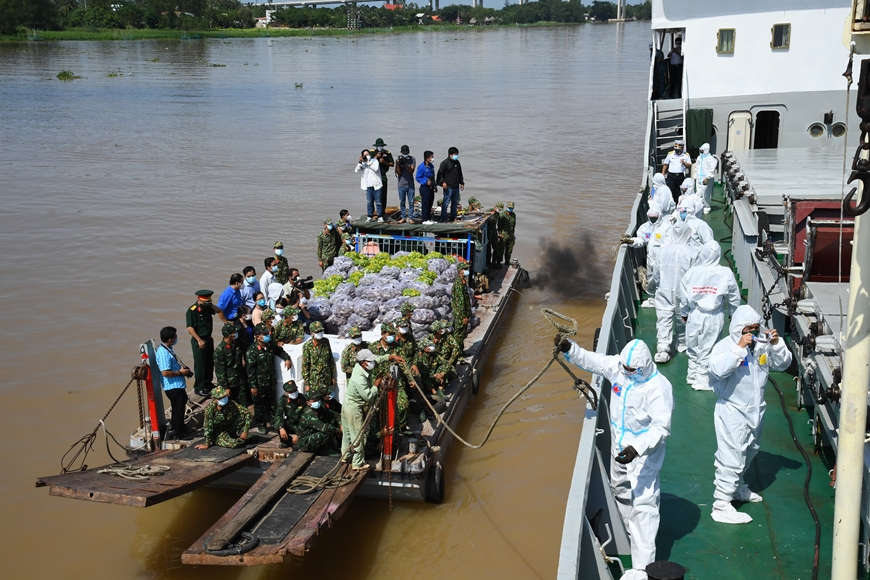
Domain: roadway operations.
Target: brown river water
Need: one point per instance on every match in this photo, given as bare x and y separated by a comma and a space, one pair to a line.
121, 196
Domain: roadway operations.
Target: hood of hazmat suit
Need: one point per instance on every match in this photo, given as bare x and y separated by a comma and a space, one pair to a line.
689, 184
710, 254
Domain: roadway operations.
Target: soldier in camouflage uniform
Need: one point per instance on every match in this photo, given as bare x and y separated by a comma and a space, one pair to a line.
445, 344
386, 346
328, 243
460, 305
318, 366
269, 318
407, 311
226, 422
346, 244
495, 247
260, 362
283, 272
320, 428
229, 365
289, 330
287, 414
348, 355
504, 233
509, 235
433, 374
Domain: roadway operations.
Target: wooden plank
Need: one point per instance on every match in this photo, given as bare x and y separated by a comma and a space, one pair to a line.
183, 476
288, 469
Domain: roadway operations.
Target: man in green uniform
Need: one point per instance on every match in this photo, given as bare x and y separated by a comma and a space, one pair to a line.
385, 162
282, 274
348, 355
289, 329
320, 428
495, 247
460, 304
361, 392
509, 237
386, 346
229, 365
445, 345
432, 374
504, 233
318, 366
346, 244
260, 364
199, 325
226, 422
407, 312
328, 243
287, 414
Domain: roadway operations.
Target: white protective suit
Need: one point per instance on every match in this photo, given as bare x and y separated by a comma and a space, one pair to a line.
640, 416
660, 192
690, 199
703, 292
705, 172
674, 260
738, 376
701, 232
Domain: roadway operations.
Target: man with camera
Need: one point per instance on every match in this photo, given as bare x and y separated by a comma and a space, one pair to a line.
405, 173
385, 161
372, 183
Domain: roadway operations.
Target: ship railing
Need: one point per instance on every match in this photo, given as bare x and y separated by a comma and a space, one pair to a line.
372, 244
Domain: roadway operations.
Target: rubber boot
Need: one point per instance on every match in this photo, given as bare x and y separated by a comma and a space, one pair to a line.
724, 513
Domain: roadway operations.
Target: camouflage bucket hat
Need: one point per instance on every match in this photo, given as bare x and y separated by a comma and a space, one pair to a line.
316, 326
278, 244
219, 393
354, 332
290, 386
228, 329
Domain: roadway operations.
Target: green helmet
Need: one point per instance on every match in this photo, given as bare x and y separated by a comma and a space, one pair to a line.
290, 386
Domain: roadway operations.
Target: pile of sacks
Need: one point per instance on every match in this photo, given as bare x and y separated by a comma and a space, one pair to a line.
366, 292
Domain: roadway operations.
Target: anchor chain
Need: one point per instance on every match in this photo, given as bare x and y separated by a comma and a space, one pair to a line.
860, 163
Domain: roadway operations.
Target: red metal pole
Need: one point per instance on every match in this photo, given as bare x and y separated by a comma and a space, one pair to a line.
152, 408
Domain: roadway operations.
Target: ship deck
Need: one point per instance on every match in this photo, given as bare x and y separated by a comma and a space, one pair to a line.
779, 542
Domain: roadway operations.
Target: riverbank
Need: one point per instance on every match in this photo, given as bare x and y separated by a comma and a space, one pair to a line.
165, 34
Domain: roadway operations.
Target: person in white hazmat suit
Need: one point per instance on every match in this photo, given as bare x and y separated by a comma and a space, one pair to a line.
675, 259
701, 232
690, 198
705, 174
641, 404
739, 365
704, 291
650, 234
661, 193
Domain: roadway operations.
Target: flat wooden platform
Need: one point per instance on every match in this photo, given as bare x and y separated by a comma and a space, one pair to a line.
288, 524
188, 470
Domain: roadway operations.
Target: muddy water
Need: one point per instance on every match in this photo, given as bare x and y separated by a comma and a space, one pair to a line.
121, 196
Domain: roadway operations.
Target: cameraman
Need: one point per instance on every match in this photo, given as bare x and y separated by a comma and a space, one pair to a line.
405, 173
371, 183
385, 160
295, 283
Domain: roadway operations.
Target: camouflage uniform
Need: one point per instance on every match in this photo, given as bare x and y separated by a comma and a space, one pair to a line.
382, 371
328, 244
495, 246
344, 248
318, 366
224, 425
320, 431
261, 376
230, 369
288, 331
283, 272
460, 305
445, 344
509, 232
428, 364
348, 355
407, 311
288, 412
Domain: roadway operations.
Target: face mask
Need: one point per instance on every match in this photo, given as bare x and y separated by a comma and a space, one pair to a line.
223, 401
404, 329
267, 338
236, 335
443, 332
279, 252
279, 310
380, 148
251, 279
315, 405
510, 210
455, 158
329, 227
348, 219
629, 373
247, 316
274, 269
429, 349
653, 219
390, 339
318, 335
683, 215
261, 302
357, 341
295, 318
293, 394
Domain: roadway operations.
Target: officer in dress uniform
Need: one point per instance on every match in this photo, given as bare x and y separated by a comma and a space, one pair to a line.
199, 325
674, 168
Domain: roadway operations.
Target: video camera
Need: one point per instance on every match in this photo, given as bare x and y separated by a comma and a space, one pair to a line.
405, 160
304, 283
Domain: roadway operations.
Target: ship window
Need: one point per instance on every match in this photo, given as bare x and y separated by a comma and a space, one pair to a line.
816, 130
780, 36
838, 130
725, 41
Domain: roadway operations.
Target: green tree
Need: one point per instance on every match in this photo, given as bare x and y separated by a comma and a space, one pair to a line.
40, 14
602, 11
639, 11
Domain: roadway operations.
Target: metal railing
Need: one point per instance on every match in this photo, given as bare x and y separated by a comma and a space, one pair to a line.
372, 244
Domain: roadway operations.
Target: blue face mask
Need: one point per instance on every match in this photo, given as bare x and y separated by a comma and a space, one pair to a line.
261, 302
274, 269
683, 215
315, 405
251, 279
455, 158
329, 227
511, 210
267, 338
279, 252
391, 339
223, 401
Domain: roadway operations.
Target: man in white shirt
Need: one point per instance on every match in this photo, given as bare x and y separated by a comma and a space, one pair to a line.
371, 183
268, 276
674, 168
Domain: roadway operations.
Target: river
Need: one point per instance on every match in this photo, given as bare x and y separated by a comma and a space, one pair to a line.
122, 195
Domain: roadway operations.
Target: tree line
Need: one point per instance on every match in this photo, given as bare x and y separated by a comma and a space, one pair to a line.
209, 14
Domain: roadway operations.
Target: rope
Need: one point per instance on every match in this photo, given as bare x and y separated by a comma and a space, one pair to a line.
138, 473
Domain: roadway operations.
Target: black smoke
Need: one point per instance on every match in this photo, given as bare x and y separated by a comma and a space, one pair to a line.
572, 269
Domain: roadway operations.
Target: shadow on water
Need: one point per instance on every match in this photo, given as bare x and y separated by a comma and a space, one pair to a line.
680, 517
765, 467
572, 269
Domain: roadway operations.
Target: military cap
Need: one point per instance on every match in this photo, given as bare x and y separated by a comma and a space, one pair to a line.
290, 311
316, 326
269, 314
407, 308
204, 293
290, 386
510, 204
345, 236
425, 343
401, 323
354, 332
365, 355
261, 329
499, 205
315, 395
437, 325
228, 329
219, 393
379, 143
278, 244
388, 328
327, 221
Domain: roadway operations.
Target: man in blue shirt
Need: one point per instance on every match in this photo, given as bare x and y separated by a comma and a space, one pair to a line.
426, 178
231, 298
173, 378
250, 286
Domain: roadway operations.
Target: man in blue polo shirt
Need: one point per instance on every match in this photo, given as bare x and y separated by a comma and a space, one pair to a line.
231, 298
173, 378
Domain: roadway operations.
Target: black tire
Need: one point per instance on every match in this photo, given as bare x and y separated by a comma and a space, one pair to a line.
475, 382
435, 484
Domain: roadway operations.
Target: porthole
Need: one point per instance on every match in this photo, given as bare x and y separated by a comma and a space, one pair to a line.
816, 130
838, 130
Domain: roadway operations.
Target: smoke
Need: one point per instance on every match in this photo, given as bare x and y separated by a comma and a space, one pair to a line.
571, 270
